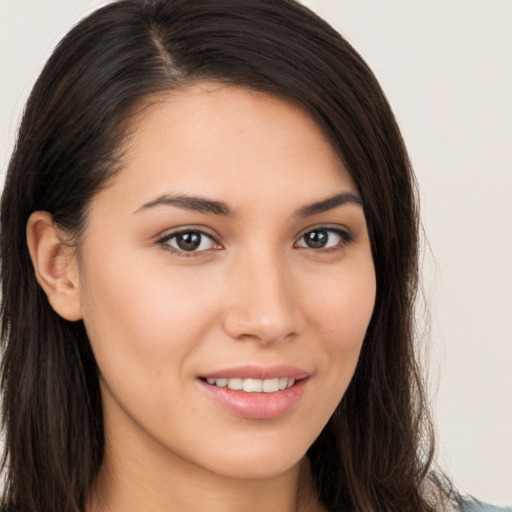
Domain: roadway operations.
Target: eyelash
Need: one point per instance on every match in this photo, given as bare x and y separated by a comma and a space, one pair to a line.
165, 242
345, 239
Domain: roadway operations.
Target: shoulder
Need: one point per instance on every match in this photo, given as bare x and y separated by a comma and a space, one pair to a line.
473, 505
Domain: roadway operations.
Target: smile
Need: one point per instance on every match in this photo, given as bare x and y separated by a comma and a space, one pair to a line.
257, 393
254, 385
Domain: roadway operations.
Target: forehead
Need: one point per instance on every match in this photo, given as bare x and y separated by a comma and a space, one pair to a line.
230, 143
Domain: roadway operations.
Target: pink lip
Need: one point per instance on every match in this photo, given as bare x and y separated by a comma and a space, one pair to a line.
257, 406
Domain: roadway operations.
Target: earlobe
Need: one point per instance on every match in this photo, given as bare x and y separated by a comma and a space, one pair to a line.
55, 265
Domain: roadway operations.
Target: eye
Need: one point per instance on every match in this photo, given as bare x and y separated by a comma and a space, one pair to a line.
189, 241
324, 238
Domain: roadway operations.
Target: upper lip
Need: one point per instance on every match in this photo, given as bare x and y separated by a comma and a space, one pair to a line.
258, 372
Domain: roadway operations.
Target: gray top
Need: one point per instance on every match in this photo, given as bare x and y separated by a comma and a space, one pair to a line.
473, 505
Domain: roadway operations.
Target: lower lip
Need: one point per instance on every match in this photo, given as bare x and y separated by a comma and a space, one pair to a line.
257, 406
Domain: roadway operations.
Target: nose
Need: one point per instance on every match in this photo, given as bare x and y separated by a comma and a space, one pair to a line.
263, 305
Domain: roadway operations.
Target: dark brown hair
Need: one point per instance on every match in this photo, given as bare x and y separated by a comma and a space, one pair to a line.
375, 453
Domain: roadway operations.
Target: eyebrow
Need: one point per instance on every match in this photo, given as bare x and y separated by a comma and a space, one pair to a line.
330, 203
193, 203
203, 205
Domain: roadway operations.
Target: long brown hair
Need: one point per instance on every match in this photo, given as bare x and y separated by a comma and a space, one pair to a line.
376, 451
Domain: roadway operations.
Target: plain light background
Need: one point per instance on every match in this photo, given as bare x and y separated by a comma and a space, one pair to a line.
446, 67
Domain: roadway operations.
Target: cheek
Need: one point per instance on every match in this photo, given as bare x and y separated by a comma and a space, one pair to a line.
343, 308
140, 318
340, 315
145, 324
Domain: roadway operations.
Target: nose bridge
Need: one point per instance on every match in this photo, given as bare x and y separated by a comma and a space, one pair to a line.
262, 305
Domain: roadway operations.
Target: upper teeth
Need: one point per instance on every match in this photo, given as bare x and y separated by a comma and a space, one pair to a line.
253, 385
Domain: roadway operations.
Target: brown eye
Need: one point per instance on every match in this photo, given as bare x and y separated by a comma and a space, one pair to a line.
317, 239
324, 238
189, 241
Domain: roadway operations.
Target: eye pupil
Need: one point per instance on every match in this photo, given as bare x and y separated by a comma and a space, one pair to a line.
316, 239
188, 241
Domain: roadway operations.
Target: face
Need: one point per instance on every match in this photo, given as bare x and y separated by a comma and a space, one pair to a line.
226, 283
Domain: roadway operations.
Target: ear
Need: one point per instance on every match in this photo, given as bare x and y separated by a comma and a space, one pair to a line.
55, 265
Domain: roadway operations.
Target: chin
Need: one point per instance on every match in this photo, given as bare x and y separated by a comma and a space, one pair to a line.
262, 468
257, 458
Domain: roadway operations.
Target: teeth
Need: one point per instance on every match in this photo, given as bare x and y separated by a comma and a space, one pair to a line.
235, 384
270, 385
253, 385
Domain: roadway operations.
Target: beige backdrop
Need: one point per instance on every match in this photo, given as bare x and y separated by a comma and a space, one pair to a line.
446, 66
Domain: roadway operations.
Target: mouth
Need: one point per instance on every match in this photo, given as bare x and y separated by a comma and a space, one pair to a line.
257, 393
253, 385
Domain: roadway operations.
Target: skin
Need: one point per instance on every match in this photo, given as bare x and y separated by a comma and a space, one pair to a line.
253, 294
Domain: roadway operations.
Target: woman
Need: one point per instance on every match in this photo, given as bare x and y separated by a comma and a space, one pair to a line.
209, 263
